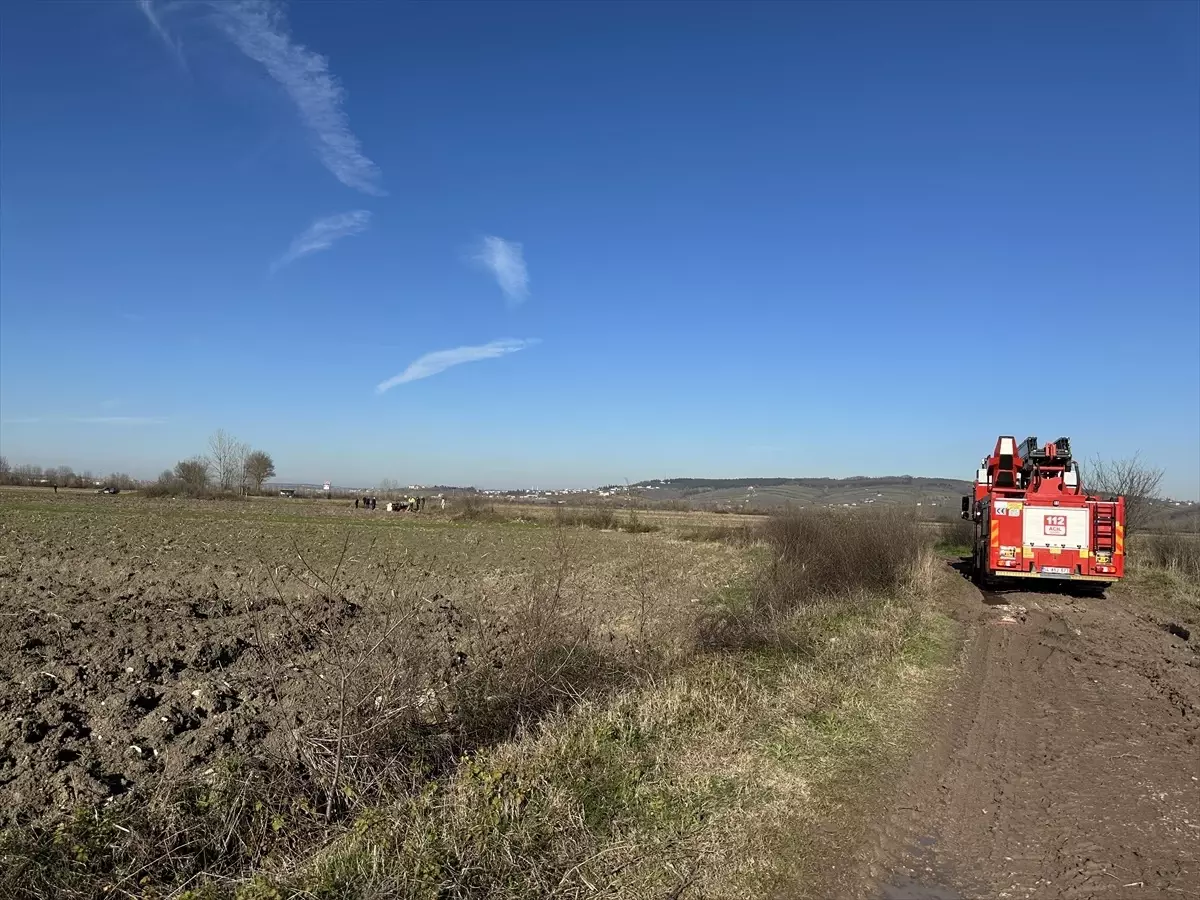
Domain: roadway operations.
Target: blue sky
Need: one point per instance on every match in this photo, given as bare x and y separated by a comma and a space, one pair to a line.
567, 244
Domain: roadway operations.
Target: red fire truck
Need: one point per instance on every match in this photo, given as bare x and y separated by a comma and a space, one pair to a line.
1033, 518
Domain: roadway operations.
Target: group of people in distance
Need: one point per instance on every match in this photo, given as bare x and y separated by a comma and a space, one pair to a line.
412, 504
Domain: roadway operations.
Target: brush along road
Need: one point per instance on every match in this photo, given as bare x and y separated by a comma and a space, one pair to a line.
1064, 764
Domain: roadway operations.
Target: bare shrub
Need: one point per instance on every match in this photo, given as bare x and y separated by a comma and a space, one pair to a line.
542, 654
371, 670
170, 484
165, 486
473, 508
397, 682
815, 557
821, 554
600, 518
193, 474
634, 524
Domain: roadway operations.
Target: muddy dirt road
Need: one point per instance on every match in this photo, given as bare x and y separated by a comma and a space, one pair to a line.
1064, 764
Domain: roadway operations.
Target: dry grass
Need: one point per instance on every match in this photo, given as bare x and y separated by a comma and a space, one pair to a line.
597, 517
603, 519
955, 538
1163, 571
733, 535
1178, 553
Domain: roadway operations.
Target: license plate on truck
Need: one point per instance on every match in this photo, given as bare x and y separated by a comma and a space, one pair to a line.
1055, 570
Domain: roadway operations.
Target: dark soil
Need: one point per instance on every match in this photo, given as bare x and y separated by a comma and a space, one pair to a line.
104, 685
1065, 764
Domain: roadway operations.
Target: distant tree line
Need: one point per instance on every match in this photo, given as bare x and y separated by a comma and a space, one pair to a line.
61, 476
229, 467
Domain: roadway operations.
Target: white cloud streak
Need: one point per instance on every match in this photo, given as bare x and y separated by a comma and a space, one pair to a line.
440, 360
259, 29
151, 14
506, 261
117, 420
90, 420
322, 234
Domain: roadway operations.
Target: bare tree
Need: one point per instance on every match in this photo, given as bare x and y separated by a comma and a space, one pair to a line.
5, 471
241, 453
193, 473
225, 453
1138, 483
258, 468
27, 473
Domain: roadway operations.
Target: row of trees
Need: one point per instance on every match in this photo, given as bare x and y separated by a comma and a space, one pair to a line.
229, 465
60, 476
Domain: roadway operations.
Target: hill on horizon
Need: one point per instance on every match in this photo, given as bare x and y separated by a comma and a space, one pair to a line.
761, 494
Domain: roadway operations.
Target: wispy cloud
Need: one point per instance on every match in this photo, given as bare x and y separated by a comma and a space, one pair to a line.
90, 420
150, 11
439, 361
260, 30
506, 260
322, 234
117, 420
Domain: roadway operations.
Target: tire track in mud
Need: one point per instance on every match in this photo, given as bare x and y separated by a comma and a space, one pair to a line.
1064, 762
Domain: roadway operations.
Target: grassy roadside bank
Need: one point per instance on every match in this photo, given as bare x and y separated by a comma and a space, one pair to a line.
1163, 574
717, 770
720, 780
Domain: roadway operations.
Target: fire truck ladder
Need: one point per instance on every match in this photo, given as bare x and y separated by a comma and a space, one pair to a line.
1104, 527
